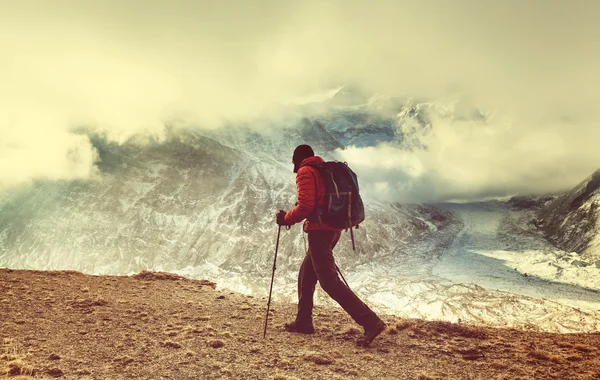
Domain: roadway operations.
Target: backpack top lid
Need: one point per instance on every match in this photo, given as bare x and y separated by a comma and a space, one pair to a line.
337, 174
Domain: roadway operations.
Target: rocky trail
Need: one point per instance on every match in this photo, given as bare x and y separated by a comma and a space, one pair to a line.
163, 326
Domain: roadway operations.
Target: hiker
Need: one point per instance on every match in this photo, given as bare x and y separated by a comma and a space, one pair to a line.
319, 264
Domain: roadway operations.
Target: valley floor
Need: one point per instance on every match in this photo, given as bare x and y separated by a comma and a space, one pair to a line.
496, 250
163, 326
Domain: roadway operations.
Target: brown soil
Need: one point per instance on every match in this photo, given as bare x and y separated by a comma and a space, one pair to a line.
162, 326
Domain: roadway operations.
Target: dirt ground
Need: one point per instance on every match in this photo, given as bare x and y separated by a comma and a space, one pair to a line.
162, 326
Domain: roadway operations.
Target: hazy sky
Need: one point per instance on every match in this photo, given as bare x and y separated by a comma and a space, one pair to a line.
127, 66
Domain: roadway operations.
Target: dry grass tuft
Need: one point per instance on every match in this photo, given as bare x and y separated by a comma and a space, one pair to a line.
471, 353
9, 357
556, 358
336, 354
171, 344
456, 329
574, 358
216, 343
583, 348
157, 276
318, 358
11, 362
124, 360
419, 329
56, 273
424, 376
88, 302
55, 372
284, 377
403, 325
499, 365
540, 355
564, 345
351, 330
194, 330
18, 368
255, 349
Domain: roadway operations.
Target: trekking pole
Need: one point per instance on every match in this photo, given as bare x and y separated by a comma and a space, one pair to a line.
342, 276
272, 278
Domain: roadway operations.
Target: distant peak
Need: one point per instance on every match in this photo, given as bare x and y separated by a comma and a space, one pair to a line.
350, 95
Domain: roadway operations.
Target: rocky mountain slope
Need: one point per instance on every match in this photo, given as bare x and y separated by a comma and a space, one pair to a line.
159, 325
572, 221
197, 203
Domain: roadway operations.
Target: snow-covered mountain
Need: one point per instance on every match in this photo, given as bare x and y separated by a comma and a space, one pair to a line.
572, 221
189, 203
201, 203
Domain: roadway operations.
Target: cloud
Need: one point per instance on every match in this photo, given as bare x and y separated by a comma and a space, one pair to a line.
470, 160
52, 153
129, 67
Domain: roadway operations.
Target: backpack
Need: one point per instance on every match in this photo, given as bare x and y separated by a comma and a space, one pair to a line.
343, 207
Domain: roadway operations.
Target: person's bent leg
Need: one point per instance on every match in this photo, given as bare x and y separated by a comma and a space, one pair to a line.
321, 245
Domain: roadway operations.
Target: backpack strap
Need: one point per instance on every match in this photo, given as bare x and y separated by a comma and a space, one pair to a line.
337, 191
316, 210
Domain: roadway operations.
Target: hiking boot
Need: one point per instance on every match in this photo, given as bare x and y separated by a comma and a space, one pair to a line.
302, 328
370, 334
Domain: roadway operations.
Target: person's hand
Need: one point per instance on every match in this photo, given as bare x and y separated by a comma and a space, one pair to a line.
280, 217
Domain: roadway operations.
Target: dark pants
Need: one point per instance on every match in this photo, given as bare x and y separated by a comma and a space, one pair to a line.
319, 265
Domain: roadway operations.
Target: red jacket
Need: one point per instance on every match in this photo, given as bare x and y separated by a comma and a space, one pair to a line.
311, 191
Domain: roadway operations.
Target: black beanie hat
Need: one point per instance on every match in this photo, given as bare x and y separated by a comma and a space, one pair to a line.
300, 153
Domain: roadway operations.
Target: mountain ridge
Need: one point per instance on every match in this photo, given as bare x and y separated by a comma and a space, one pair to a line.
572, 221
